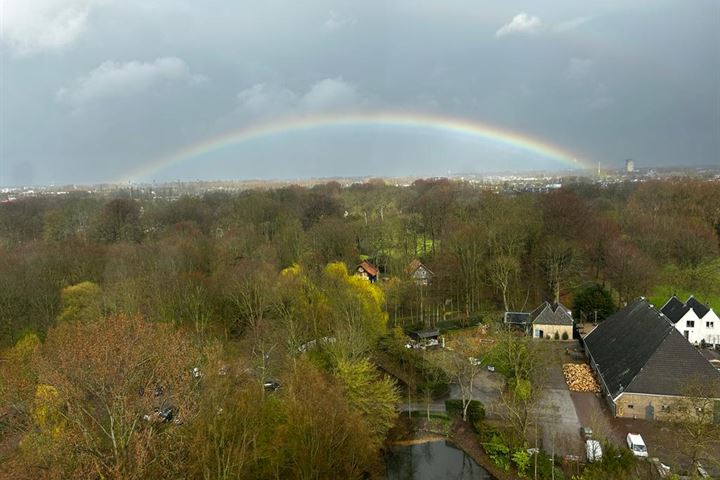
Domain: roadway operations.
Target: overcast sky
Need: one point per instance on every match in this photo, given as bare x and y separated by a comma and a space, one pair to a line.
93, 90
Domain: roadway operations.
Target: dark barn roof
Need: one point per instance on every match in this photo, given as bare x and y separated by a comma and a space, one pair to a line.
639, 350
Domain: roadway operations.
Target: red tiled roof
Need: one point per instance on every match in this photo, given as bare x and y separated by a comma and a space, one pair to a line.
369, 268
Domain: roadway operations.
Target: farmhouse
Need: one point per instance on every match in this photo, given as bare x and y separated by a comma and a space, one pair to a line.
696, 321
644, 365
543, 322
368, 271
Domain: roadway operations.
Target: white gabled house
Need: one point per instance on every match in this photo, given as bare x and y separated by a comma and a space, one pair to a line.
696, 321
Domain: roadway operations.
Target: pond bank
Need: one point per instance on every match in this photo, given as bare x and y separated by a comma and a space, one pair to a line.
418, 431
466, 439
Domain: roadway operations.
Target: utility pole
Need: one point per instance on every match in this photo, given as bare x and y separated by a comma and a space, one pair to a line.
553, 456
536, 447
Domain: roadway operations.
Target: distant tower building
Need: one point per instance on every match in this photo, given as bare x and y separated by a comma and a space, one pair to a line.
629, 165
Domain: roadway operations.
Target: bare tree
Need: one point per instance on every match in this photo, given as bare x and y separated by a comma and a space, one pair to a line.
463, 368
693, 417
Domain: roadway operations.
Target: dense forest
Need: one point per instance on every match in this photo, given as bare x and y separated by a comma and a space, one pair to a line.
147, 338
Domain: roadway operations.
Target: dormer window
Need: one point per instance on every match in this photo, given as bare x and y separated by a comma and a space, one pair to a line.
691, 324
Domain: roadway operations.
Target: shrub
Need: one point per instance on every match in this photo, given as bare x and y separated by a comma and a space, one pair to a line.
476, 411
556, 336
453, 406
498, 452
564, 336
615, 462
521, 459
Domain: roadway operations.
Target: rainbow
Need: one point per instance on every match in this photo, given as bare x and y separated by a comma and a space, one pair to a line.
418, 121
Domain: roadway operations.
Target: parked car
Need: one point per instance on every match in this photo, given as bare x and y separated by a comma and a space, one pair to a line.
593, 450
490, 368
636, 444
586, 432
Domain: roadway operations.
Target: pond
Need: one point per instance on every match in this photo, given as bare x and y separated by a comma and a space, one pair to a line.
435, 460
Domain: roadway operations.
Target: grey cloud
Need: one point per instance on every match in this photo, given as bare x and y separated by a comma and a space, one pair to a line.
122, 79
608, 80
571, 24
330, 94
520, 23
30, 26
578, 69
337, 21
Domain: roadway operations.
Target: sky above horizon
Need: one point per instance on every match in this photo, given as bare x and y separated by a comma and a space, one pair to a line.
96, 91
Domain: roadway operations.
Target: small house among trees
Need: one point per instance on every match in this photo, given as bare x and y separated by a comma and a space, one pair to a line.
646, 367
368, 271
419, 273
546, 321
696, 321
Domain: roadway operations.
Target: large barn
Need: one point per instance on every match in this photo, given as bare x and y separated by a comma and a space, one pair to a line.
644, 364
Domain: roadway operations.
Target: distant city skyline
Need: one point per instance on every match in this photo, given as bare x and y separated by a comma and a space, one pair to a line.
98, 91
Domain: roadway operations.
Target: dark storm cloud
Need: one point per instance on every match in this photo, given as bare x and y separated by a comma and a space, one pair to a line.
93, 89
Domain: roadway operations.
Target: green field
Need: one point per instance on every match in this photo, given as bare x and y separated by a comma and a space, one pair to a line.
703, 285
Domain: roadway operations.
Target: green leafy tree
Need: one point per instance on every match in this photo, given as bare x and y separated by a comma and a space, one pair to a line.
374, 397
593, 303
356, 305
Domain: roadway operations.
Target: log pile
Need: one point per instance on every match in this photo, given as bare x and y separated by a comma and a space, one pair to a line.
580, 378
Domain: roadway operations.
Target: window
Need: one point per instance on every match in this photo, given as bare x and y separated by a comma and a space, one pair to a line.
631, 406
709, 324
690, 323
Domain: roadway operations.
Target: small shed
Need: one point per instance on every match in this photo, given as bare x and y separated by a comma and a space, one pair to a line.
425, 335
519, 320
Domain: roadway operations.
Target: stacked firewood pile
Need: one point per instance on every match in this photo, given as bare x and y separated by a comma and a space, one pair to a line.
580, 378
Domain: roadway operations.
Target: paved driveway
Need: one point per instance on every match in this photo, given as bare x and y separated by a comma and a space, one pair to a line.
593, 412
559, 422
486, 388
556, 412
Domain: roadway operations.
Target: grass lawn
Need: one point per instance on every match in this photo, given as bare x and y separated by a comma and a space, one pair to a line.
704, 286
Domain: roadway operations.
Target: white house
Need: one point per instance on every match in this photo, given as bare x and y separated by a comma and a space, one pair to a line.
696, 321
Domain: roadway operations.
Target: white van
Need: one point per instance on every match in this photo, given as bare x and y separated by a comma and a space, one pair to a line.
637, 445
593, 450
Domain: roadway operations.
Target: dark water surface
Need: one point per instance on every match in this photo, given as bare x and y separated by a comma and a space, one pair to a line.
437, 460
